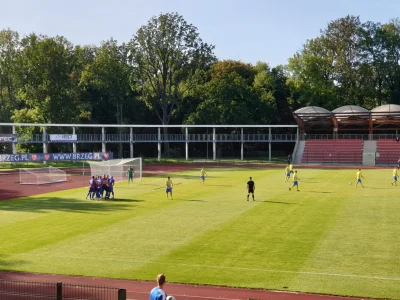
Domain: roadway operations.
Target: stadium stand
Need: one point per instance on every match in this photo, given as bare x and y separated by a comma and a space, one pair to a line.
333, 151
388, 151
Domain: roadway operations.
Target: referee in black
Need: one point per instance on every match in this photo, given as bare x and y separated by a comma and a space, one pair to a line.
250, 188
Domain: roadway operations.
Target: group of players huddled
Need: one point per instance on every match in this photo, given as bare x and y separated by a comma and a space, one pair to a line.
101, 187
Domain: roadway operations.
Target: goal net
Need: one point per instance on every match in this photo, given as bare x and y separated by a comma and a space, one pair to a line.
118, 168
41, 175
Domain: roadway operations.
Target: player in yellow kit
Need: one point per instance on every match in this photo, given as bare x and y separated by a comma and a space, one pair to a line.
168, 187
287, 173
358, 178
395, 175
291, 168
203, 175
295, 181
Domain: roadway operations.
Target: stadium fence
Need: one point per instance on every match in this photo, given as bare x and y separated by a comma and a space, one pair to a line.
21, 290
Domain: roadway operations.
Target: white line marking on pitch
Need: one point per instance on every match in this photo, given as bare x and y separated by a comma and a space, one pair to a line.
215, 267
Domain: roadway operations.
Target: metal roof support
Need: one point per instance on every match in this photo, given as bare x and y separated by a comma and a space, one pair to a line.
214, 145
159, 144
103, 139
335, 126
269, 144
370, 127
241, 144
187, 143
131, 142
44, 136
14, 145
74, 143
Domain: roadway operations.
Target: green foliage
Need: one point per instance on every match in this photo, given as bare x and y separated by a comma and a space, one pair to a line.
9, 73
47, 88
167, 51
167, 74
349, 63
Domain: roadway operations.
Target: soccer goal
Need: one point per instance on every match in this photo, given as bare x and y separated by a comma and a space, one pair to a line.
118, 168
41, 175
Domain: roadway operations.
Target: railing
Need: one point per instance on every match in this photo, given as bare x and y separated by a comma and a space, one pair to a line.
331, 136
154, 138
19, 290
375, 137
220, 137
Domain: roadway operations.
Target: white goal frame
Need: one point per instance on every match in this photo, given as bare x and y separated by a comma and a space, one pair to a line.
117, 168
46, 175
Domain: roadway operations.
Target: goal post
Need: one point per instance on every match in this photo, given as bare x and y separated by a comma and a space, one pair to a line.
44, 175
118, 168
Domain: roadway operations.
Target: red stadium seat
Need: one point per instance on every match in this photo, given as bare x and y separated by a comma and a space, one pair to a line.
389, 151
333, 151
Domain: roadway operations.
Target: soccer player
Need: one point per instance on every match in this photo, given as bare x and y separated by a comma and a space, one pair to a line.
395, 175
98, 187
169, 185
287, 173
130, 174
158, 293
250, 188
295, 181
358, 178
111, 183
92, 188
104, 183
203, 175
290, 168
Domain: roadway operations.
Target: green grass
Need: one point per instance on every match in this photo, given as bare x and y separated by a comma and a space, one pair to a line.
328, 238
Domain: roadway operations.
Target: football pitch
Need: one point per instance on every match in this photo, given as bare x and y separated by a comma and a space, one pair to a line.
329, 238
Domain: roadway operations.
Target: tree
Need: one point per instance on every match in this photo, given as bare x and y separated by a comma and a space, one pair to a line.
340, 38
312, 76
166, 52
228, 100
108, 78
109, 73
9, 73
48, 88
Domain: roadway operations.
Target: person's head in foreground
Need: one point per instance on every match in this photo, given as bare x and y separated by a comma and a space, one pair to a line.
250, 178
161, 279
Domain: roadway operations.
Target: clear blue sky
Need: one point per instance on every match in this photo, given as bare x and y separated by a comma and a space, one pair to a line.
247, 30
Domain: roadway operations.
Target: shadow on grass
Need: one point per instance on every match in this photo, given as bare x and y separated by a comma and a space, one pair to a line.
195, 200
182, 176
7, 264
317, 192
124, 200
44, 205
277, 202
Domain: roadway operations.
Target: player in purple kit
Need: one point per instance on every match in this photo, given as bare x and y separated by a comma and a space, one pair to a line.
92, 188
111, 182
99, 189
